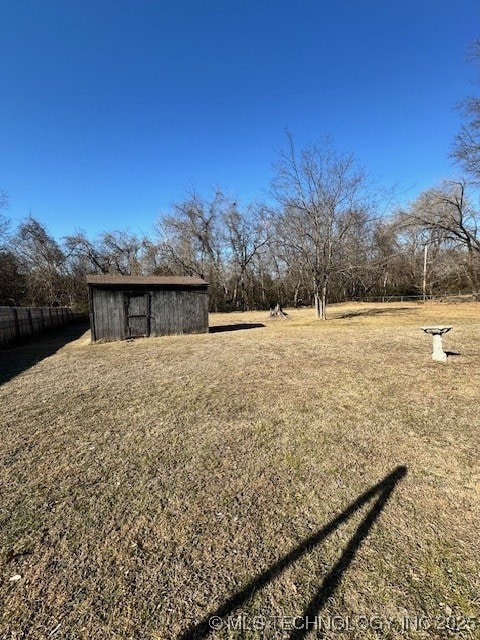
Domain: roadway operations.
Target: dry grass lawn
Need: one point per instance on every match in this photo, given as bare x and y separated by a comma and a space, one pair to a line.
146, 485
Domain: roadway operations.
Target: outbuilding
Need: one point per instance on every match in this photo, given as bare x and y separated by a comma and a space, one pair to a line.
124, 307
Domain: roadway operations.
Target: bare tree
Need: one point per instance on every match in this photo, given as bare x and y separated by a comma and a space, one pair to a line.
115, 252
42, 261
12, 281
448, 215
466, 145
323, 198
246, 235
124, 251
86, 255
192, 242
4, 223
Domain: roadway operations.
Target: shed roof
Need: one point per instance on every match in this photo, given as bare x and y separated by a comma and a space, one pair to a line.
183, 281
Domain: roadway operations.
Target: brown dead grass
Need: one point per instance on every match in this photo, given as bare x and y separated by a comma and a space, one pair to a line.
145, 483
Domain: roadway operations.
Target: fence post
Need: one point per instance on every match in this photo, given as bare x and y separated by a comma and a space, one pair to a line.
17, 322
30, 319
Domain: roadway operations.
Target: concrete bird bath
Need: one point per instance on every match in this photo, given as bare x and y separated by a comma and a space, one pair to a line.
437, 333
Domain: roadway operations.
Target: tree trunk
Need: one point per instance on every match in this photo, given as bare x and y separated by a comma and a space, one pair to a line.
318, 305
323, 307
296, 294
277, 312
320, 297
262, 286
473, 270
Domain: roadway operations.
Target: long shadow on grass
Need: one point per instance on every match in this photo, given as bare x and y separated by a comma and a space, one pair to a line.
235, 327
17, 359
373, 312
304, 623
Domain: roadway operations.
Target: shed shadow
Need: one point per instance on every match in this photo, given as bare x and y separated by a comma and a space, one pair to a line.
17, 359
235, 327
382, 492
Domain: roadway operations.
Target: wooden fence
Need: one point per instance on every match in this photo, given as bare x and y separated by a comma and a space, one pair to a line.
442, 297
17, 323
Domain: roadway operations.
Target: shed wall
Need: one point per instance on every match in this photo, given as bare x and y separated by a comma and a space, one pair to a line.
178, 311
108, 314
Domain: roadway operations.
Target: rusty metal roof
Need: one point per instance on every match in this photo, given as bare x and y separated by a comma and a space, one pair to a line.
182, 281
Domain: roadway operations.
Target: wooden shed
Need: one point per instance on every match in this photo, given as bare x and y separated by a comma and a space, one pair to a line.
124, 307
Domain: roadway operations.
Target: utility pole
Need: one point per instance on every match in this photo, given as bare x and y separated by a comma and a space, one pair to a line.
424, 284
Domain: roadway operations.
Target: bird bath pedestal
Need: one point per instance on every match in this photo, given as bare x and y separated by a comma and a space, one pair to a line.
437, 333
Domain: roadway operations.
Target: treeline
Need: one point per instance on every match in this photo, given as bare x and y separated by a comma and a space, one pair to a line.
325, 241
326, 233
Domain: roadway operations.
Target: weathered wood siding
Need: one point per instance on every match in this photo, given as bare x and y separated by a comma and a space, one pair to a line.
108, 314
172, 310
178, 311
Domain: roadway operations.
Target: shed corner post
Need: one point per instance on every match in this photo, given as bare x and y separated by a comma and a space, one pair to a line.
207, 317
91, 313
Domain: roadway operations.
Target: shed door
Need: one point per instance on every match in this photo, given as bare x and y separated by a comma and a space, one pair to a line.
137, 307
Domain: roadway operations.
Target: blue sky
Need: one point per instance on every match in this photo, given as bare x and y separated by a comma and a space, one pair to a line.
110, 108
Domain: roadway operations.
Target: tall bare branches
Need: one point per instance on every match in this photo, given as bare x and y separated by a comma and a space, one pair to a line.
447, 214
466, 145
324, 202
